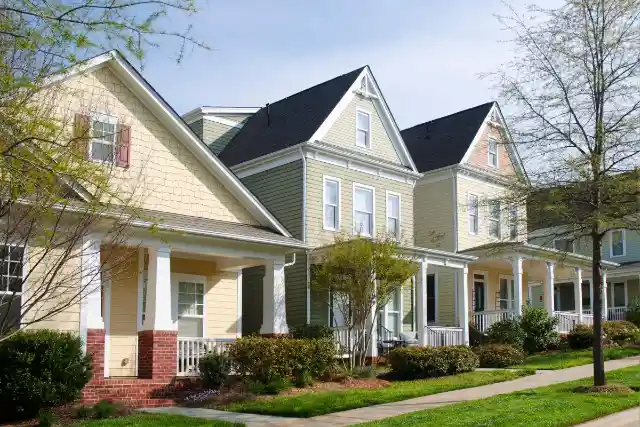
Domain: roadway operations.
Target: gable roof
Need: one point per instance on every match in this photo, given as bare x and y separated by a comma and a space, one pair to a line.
287, 122
176, 125
445, 141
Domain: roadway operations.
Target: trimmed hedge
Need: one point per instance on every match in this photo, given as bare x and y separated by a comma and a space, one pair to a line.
507, 331
423, 362
312, 331
580, 337
263, 359
620, 331
499, 355
40, 369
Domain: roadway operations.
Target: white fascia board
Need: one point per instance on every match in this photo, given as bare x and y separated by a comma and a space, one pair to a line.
229, 110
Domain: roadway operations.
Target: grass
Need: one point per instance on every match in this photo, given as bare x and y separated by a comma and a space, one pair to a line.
319, 403
553, 406
154, 420
560, 360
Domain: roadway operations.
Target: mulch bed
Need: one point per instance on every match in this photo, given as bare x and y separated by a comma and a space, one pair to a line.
608, 388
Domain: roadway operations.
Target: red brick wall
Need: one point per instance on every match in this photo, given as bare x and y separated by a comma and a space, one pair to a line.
480, 155
157, 354
95, 348
132, 392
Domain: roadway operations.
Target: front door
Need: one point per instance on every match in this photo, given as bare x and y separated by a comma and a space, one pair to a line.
536, 296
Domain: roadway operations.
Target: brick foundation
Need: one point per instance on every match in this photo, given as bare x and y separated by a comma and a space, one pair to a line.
95, 348
157, 355
132, 392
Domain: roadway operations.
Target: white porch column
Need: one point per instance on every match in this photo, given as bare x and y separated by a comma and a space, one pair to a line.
548, 288
159, 311
516, 266
274, 310
372, 350
577, 288
463, 302
92, 283
421, 303
605, 305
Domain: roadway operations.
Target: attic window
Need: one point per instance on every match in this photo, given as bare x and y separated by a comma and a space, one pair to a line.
492, 150
363, 129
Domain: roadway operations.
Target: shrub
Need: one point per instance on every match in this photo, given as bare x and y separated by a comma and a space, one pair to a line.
46, 418
476, 337
506, 331
633, 311
265, 358
256, 387
539, 329
104, 409
82, 412
364, 372
499, 355
277, 385
41, 369
422, 362
580, 337
303, 379
214, 370
312, 331
620, 331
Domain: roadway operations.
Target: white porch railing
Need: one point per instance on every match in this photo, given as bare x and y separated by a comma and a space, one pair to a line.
484, 319
567, 320
617, 313
440, 336
191, 350
344, 341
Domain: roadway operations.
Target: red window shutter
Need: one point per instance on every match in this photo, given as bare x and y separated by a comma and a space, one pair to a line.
123, 154
81, 134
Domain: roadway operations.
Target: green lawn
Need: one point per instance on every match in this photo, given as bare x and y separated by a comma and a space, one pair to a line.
157, 420
567, 359
553, 406
319, 403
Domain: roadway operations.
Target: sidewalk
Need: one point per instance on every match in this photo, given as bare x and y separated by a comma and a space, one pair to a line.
386, 410
628, 418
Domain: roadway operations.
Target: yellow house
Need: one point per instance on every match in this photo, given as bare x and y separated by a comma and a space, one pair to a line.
179, 293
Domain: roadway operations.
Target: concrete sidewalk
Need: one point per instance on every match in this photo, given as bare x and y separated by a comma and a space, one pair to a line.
386, 410
628, 418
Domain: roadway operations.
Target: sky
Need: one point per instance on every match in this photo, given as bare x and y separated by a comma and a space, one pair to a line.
426, 55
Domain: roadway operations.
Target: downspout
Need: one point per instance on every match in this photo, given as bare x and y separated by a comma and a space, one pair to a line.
304, 233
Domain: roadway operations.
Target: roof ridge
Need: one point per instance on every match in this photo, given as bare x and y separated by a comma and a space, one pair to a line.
450, 115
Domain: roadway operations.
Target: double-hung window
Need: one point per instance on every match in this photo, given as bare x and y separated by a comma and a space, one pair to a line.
565, 245
11, 279
363, 129
513, 222
492, 150
393, 215
103, 139
190, 308
331, 204
363, 210
472, 209
618, 243
494, 218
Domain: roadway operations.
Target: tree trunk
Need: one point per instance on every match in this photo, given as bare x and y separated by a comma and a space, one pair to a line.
598, 356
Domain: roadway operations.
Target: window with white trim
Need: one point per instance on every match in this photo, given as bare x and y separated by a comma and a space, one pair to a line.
492, 150
331, 204
103, 139
513, 222
618, 243
392, 322
494, 218
565, 245
363, 211
393, 215
363, 129
190, 309
11, 279
472, 210
619, 294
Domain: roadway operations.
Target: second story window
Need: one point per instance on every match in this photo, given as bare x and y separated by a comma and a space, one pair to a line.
393, 215
103, 139
492, 150
363, 210
494, 218
618, 243
513, 222
472, 209
565, 245
331, 204
363, 129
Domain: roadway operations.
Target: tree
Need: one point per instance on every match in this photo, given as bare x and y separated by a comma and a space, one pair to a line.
574, 87
52, 197
360, 275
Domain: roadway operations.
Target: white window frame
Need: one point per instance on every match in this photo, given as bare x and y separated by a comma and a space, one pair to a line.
176, 278
373, 213
96, 117
573, 244
398, 312
24, 266
485, 283
399, 219
511, 299
612, 293
326, 178
368, 144
477, 214
491, 220
624, 242
495, 153
513, 222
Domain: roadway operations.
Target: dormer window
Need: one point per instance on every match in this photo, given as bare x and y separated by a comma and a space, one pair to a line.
363, 129
492, 150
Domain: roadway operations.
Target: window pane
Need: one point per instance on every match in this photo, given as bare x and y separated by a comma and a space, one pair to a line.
189, 327
363, 121
361, 138
330, 217
331, 192
617, 247
363, 223
618, 295
364, 200
392, 226
102, 152
394, 206
392, 323
494, 228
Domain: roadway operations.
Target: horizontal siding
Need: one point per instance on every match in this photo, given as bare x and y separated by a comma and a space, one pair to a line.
217, 135
222, 305
295, 278
315, 172
252, 299
433, 208
446, 300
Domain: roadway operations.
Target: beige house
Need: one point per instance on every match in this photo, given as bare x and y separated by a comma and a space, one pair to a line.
180, 292
467, 160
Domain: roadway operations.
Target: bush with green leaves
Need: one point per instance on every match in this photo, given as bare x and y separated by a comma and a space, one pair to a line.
633, 311
476, 336
262, 358
214, 369
539, 329
41, 369
423, 362
303, 379
499, 355
312, 331
620, 331
507, 331
580, 337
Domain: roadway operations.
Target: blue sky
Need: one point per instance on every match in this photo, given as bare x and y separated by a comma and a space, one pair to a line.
425, 54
